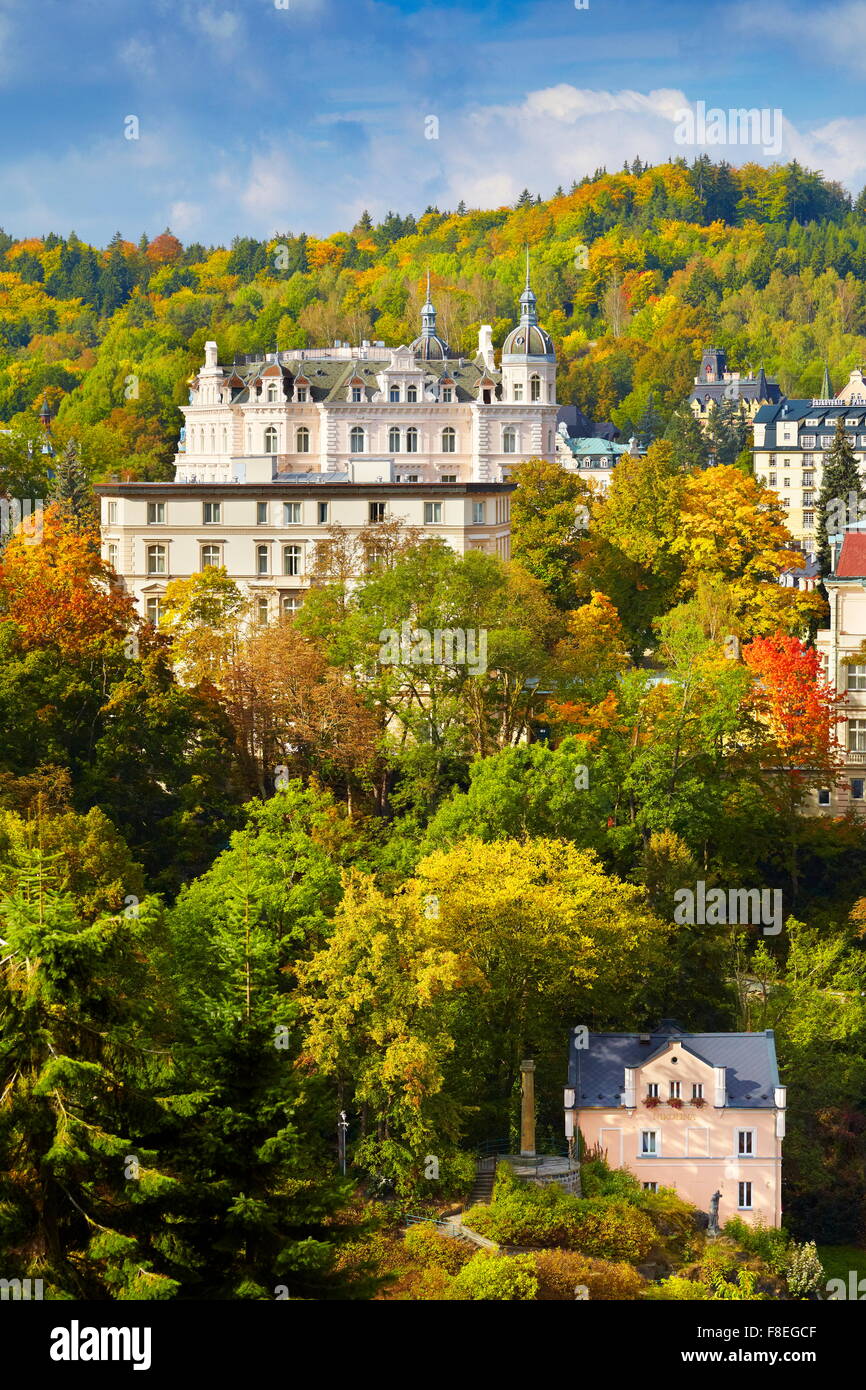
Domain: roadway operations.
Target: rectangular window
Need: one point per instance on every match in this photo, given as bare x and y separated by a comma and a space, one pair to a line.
744, 1200
446, 395
291, 513
356, 394
212, 513
808, 519
650, 1187
291, 559
652, 1088
479, 511
377, 511
156, 513
697, 1090
857, 735
301, 395
649, 1141
112, 555
210, 557
154, 610
323, 513
156, 559
262, 611
857, 677
261, 513
745, 1142
112, 513
675, 1090
290, 604
824, 796
771, 480
432, 513
262, 559
808, 497
449, 477
856, 788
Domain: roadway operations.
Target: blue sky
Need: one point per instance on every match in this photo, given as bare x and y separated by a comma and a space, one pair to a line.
255, 119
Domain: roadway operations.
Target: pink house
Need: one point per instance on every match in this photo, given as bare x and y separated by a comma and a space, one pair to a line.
703, 1113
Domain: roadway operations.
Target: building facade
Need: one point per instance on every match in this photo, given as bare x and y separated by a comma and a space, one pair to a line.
266, 534
837, 645
714, 384
703, 1113
419, 412
590, 456
790, 445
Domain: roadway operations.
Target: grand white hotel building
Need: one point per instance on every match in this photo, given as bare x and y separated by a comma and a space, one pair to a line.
277, 449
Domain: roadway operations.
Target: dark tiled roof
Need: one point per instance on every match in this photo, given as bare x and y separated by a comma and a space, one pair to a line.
597, 1073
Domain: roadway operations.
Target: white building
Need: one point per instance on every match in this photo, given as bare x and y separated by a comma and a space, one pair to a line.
792, 440
265, 534
277, 450
420, 413
846, 595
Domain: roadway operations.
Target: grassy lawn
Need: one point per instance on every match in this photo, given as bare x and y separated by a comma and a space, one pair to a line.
839, 1259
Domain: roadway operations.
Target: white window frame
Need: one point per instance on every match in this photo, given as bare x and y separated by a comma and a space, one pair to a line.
644, 1134
744, 1189
432, 513
158, 513
292, 514
751, 1151
159, 552
296, 557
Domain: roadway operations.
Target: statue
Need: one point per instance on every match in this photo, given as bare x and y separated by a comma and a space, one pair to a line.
713, 1228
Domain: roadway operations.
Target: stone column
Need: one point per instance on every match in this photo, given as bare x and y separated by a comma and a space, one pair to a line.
527, 1109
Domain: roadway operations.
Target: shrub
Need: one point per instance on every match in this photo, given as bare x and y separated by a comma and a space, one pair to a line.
771, 1243
741, 1290
430, 1248
675, 1222
503, 1277
561, 1271
598, 1180
804, 1270
678, 1288
546, 1216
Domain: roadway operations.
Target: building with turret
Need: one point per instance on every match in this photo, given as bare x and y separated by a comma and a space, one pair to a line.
278, 449
715, 384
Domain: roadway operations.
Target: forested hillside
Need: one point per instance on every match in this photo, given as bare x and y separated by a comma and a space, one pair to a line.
634, 272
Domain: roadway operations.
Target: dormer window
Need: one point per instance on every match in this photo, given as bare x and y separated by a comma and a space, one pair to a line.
447, 395
412, 393
301, 395
356, 394
394, 394
272, 392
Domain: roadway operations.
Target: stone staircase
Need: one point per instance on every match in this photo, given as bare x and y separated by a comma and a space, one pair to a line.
485, 1175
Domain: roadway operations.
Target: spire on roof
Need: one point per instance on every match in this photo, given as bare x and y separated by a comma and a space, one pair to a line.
826, 388
528, 309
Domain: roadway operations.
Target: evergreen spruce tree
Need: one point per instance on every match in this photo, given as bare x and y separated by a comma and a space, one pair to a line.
81, 1197
686, 436
841, 475
727, 431
71, 490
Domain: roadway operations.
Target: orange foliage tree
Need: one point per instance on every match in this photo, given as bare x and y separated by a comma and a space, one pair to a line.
59, 592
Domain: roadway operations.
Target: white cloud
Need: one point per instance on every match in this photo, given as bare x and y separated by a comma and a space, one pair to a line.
828, 34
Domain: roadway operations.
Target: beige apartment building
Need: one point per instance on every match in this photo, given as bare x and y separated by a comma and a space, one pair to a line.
265, 534
791, 441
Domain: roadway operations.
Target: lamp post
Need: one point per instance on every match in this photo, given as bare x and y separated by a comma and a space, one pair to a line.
342, 1129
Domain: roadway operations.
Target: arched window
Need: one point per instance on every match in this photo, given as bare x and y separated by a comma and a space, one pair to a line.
509, 441
303, 440
263, 556
272, 391
518, 390
394, 393
291, 559
271, 439
449, 440
412, 441
393, 440
212, 440
225, 440
412, 393
535, 388
356, 440
210, 556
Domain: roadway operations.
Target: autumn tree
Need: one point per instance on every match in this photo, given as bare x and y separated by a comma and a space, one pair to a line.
548, 517
839, 478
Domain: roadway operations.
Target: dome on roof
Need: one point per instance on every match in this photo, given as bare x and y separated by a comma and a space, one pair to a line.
528, 340
429, 347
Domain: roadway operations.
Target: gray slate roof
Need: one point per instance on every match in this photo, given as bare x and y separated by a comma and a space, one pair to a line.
597, 1073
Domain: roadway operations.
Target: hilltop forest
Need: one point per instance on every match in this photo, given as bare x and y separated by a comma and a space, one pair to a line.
634, 273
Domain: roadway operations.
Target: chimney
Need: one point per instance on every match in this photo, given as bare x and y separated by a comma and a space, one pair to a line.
527, 1108
485, 346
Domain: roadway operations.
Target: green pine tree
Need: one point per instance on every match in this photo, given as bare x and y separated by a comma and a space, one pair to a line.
685, 435
841, 475
71, 491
